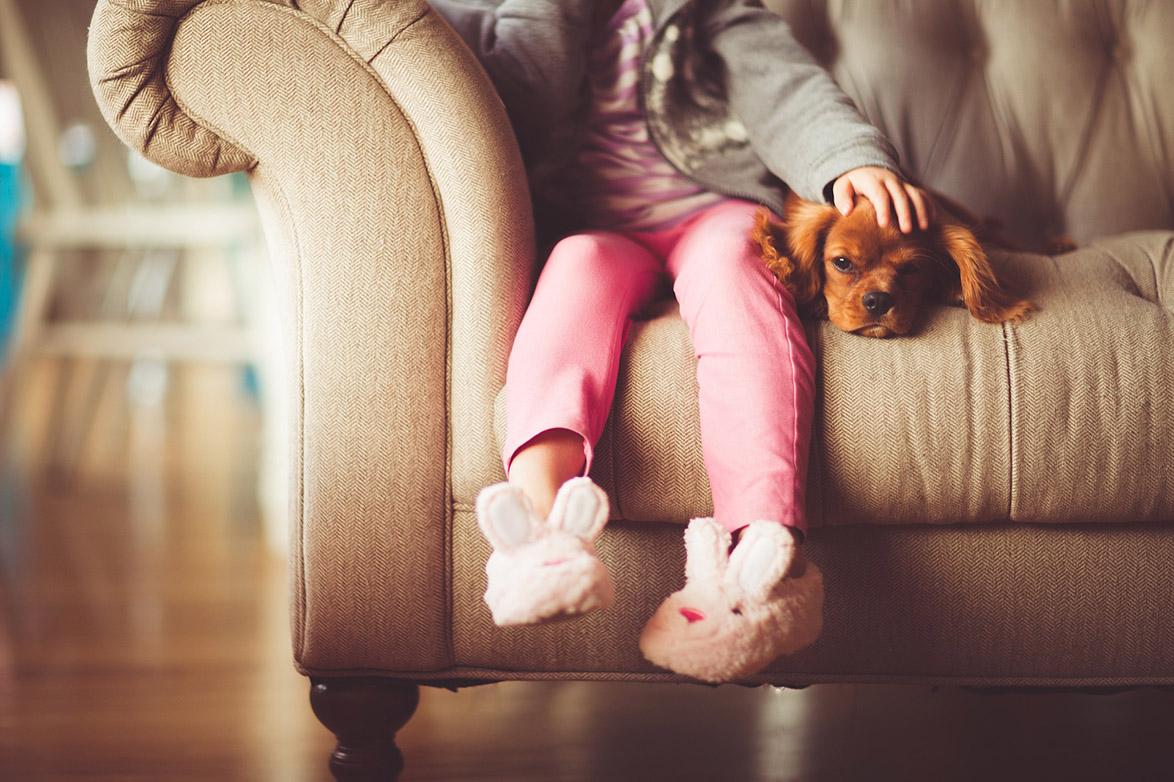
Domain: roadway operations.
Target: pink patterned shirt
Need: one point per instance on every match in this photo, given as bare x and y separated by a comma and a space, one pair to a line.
619, 179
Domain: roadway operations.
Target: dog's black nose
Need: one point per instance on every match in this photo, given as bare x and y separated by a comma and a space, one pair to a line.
877, 302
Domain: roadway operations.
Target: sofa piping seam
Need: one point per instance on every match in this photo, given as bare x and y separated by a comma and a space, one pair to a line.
502, 675
446, 498
342, 19
396, 36
301, 407
141, 12
1011, 456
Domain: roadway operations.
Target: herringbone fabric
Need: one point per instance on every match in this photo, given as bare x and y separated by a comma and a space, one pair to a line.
655, 454
913, 430
367, 26
486, 221
360, 238
1067, 417
1092, 386
127, 58
988, 604
372, 302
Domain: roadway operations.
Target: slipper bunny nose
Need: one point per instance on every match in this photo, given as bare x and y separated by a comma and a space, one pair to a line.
692, 615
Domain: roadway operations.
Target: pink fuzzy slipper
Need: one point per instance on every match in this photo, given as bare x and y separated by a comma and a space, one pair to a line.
543, 571
739, 611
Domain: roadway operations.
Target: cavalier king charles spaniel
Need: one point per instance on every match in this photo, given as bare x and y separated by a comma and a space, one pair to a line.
876, 281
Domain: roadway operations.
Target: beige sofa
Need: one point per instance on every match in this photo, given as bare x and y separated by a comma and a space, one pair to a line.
987, 501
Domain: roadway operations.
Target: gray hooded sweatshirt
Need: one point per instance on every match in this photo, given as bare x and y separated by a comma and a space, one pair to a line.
731, 98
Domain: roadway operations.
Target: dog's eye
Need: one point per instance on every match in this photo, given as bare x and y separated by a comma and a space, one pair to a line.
842, 263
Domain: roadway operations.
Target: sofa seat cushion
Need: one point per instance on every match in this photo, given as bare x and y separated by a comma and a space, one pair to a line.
1006, 605
1066, 417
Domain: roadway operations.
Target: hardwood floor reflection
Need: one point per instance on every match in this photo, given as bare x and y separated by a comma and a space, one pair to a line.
143, 635
146, 623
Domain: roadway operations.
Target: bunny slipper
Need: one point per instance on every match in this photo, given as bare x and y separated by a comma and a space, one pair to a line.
542, 571
738, 611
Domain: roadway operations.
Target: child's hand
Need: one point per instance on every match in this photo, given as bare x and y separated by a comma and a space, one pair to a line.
887, 192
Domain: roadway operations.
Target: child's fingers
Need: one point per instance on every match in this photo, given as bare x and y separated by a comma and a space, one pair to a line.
879, 196
901, 204
922, 205
844, 195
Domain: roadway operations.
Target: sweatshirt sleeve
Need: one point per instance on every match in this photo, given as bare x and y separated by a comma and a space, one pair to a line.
802, 126
534, 52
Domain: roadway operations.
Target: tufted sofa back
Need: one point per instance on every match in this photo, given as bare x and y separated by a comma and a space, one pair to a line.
1056, 116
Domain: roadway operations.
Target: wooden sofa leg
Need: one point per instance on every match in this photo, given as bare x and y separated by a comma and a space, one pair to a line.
364, 715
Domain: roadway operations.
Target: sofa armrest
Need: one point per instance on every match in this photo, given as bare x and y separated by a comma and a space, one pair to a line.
395, 206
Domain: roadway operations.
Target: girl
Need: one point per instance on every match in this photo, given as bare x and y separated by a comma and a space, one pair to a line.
652, 131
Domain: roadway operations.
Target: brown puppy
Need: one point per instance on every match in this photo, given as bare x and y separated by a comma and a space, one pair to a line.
876, 281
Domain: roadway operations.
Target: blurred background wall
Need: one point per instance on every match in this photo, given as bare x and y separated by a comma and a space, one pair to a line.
11, 152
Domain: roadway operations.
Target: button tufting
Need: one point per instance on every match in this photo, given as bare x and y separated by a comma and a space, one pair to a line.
1049, 97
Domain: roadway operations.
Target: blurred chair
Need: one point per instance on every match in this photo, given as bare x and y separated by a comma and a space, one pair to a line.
64, 227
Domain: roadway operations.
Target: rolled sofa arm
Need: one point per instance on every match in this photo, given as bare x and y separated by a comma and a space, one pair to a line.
396, 210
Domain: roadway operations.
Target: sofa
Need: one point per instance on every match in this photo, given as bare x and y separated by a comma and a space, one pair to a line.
989, 504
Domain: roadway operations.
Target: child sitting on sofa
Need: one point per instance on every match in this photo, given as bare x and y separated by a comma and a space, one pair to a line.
652, 130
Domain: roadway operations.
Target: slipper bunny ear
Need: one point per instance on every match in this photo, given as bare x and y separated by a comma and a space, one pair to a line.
580, 508
506, 517
707, 547
760, 560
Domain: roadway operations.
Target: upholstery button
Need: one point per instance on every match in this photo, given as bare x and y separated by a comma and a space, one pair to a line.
672, 33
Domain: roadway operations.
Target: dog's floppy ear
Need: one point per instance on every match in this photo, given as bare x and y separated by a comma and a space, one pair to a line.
976, 286
806, 225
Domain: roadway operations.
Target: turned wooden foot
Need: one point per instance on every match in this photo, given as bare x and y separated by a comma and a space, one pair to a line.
364, 715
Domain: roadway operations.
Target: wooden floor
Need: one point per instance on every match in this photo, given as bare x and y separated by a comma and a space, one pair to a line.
143, 636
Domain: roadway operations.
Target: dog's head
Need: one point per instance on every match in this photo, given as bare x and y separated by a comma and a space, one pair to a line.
876, 281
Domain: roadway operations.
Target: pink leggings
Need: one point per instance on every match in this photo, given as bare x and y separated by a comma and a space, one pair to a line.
755, 371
